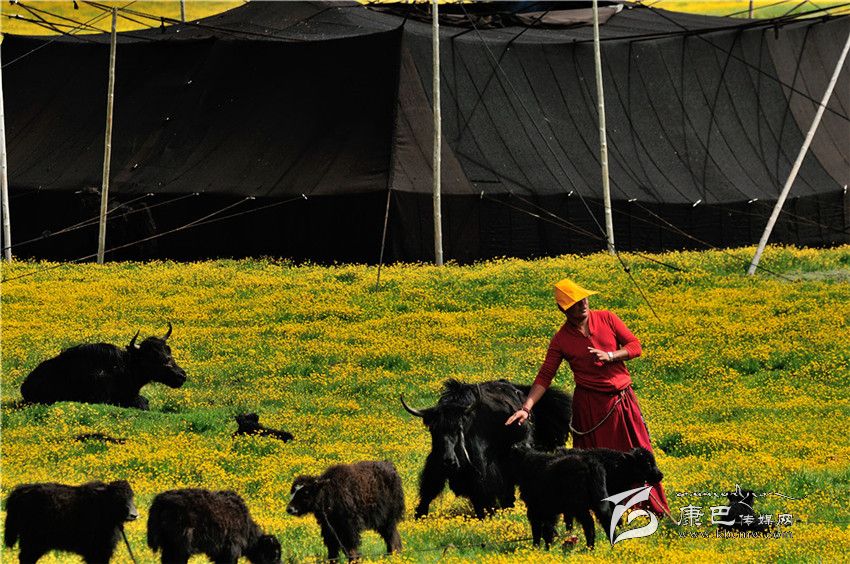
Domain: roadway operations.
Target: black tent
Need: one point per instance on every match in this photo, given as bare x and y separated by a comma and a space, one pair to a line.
286, 128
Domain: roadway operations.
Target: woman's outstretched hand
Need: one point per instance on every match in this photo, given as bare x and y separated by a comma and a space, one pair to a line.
520, 415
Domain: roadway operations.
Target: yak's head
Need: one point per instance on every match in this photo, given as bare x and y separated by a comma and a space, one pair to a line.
153, 358
746, 497
470, 419
303, 495
644, 466
266, 550
115, 500
449, 424
248, 422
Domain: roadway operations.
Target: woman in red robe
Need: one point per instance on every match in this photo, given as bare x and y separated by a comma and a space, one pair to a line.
596, 344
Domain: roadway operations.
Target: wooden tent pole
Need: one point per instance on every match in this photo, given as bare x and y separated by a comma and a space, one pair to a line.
603, 141
107, 148
803, 150
4, 180
438, 216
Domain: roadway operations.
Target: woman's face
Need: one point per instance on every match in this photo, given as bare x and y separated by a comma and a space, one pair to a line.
578, 311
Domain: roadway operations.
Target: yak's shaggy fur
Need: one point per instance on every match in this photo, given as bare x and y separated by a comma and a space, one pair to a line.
216, 523
555, 484
348, 499
86, 519
623, 470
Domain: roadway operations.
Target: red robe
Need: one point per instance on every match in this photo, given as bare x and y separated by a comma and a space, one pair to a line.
598, 385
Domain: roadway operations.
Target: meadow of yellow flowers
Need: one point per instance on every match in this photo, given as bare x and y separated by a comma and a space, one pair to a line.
744, 380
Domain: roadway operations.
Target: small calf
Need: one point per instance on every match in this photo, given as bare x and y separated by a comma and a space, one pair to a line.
349, 498
86, 519
623, 470
249, 424
742, 513
216, 523
553, 484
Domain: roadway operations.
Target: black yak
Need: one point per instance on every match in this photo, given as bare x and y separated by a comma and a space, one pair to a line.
623, 470
349, 498
742, 513
249, 424
86, 519
553, 484
470, 444
104, 373
216, 523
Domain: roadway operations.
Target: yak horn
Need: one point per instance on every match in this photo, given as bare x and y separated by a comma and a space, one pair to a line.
167, 333
463, 448
409, 409
133, 340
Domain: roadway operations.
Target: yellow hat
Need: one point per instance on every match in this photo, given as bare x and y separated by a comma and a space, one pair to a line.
568, 293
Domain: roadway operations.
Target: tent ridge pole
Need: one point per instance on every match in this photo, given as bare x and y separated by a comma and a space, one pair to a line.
603, 141
4, 180
796, 168
107, 146
438, 217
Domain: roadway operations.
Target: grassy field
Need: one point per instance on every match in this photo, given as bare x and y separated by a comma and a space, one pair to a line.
63, 15
744, 380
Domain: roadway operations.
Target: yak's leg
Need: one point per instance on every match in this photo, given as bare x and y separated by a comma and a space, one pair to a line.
350, 540
392, 539
586, 521
431, 484
604, 513
97, 557
177, 552
139, 402
507, 497
228, 555
30, 553
171, 556
535, 523
331, 541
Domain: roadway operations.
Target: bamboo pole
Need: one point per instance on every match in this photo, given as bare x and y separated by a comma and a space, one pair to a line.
803, 150
107, 147
4, 179
438, 218
603, 141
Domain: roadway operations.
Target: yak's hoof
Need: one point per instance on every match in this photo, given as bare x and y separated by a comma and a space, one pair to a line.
570, 541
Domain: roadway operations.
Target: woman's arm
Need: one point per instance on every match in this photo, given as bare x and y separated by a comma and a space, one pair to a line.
534, 394
629, 348
544, 379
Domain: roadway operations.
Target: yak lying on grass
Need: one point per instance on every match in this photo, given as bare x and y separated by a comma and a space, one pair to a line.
349, 498
553, 484
249, 424
470, 443
216, 523
104, 373
86, 519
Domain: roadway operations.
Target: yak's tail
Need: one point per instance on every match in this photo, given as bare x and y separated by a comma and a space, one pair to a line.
552, 415
10, 529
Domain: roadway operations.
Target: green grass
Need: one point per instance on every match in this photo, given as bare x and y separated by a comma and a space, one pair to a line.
743, 380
